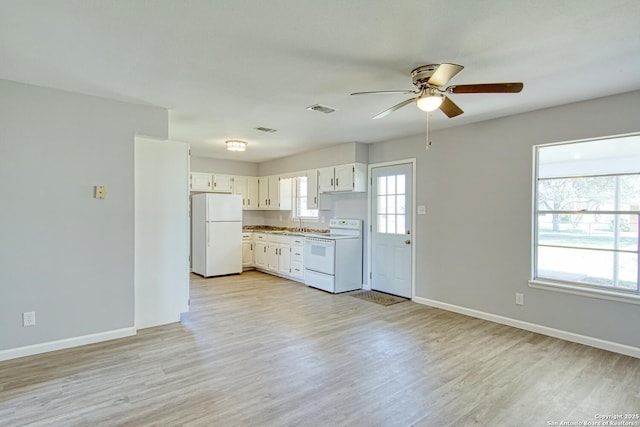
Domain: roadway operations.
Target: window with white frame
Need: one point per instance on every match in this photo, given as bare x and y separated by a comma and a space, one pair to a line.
301, 199
587, 214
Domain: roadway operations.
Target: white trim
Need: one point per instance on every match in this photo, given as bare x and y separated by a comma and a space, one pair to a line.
411, 161
533, 327
45, 347
586, 292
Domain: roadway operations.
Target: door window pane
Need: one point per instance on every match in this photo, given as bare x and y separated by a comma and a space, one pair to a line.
390, 204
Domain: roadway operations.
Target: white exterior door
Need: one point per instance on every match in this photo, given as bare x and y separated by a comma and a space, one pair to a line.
391, 234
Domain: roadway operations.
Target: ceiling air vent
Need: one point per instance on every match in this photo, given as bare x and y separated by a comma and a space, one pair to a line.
321, 108
263, 129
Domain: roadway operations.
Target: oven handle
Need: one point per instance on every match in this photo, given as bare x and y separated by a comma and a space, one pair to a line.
319, 240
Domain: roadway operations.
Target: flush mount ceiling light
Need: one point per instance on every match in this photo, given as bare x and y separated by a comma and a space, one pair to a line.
236, 145
429, 100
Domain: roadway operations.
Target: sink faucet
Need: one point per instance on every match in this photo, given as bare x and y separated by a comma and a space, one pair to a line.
300, 222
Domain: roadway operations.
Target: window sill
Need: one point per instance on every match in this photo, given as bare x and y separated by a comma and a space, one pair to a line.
578, 290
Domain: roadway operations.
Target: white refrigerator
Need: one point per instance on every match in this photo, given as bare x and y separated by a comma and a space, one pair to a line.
216, 234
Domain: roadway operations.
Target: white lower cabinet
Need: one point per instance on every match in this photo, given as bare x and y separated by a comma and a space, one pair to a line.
297, 257
247, 250
260, 251
279, 255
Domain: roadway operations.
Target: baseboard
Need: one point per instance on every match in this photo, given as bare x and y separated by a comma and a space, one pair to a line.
544, 330
30, 350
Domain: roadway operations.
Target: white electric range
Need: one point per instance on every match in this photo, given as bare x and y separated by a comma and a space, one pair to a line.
333, 262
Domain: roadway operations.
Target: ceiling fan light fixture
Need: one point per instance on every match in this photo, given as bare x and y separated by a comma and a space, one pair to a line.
236, 145
429, 102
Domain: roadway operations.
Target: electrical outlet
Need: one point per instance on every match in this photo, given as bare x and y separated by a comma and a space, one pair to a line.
519, 299
29, 318
100, 192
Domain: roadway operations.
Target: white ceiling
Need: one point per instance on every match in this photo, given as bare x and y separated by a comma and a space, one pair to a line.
224, 67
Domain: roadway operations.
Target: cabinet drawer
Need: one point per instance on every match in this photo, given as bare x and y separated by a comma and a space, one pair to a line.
297, 270
276, 238
297, 254
297, 240
260, 237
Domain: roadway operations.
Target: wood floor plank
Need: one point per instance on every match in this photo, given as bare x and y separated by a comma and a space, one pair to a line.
258, 350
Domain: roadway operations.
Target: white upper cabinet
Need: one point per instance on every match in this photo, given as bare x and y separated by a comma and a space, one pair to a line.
252, 192
247, 187
285, 196
312, 189
200, 181
325, 180
223, 183
275, 193
351, 177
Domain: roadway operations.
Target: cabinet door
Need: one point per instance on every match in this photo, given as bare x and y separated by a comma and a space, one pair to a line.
325, 180
247, 253
240, 188
285, 194
344, 178
252, 192
284, 262
274, 192
200, 181
273, 253
260, 255
263, 192
312, 189
222, 183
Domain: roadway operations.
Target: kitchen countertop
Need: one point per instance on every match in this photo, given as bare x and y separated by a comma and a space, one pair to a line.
283, 230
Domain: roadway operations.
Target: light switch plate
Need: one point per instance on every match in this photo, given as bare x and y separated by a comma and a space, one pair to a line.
100, 192
29, 318
422, 210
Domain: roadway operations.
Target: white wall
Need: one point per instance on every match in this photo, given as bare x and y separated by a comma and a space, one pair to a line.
474, 243
228, 167
161, 231
335, 155
63, 254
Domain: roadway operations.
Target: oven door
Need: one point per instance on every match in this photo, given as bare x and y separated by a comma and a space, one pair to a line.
319, 255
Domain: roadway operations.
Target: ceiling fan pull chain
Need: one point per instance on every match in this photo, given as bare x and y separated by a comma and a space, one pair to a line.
428, 136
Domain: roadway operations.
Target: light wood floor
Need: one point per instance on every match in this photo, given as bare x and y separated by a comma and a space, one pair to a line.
257, 350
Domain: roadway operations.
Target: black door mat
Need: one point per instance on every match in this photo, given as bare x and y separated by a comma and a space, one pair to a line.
377, 297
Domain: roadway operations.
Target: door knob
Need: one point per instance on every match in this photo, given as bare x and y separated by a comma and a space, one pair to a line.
407, 242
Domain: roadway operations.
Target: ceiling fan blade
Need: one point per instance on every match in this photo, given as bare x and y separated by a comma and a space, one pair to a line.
487, 88
443, 74
384, 92
450, 108
394, 108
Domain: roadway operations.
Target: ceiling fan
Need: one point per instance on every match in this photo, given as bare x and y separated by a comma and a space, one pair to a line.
429, 80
